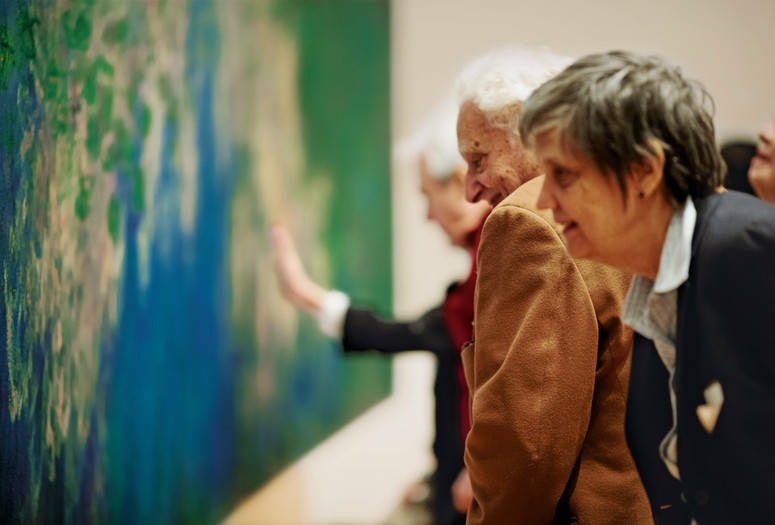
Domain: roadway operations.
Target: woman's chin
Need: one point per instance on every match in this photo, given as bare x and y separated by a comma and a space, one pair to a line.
577, 249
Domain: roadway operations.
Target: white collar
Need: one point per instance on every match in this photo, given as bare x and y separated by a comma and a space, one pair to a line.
675, 260
677, 249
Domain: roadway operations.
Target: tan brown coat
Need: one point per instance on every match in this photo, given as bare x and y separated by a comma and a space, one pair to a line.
548, 371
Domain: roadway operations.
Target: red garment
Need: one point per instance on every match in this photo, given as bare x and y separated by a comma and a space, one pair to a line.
458, 314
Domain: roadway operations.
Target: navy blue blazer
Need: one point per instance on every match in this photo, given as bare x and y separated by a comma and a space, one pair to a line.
725, 334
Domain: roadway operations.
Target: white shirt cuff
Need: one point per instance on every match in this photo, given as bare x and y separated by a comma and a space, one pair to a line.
331, 315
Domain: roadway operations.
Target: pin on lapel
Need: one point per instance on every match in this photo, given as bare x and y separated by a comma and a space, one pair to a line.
708, 412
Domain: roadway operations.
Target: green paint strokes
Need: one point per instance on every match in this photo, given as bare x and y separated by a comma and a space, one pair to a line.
98, 92
339, 82
344, 78
83, 201
124, 140
145, 120
7, 136
52, 82
120, 151
6, 57
77, 33
94, 65
25, 27
122, 30
102, 65
89, 90
116, 33
106, 108
113, 218
62, 116
93, 137
138, 189
16, 49
98, 125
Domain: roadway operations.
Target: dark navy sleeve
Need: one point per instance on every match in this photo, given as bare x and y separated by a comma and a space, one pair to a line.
365, 330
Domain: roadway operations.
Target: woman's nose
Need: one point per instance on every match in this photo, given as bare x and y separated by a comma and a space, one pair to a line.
471, 186
544, 197
767, 133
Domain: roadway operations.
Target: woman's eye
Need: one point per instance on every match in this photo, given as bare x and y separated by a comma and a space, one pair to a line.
563, 176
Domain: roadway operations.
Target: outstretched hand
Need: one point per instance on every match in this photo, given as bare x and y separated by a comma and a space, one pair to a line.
295, 284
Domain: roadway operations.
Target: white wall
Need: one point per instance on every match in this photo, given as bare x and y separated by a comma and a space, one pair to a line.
728, 45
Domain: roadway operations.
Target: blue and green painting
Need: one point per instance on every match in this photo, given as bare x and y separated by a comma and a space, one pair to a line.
150, 371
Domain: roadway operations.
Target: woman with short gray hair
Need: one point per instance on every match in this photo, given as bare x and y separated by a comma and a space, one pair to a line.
616, 107
627, 143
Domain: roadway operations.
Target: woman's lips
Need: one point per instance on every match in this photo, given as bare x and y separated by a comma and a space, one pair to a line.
495, 200
762, 156
569, 227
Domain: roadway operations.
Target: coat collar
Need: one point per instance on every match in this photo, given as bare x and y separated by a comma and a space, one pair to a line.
706, 206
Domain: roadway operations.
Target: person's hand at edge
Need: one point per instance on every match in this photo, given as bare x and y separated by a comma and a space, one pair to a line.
462, 493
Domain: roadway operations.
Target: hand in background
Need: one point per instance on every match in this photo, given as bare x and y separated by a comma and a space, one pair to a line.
295, 284
462, 493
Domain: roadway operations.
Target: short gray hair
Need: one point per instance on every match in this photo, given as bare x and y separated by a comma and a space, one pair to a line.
500, 81
610, 106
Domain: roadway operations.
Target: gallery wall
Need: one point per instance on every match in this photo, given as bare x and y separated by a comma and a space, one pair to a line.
729, 46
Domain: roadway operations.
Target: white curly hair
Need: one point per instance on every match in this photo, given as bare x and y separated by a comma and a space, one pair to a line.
501, 80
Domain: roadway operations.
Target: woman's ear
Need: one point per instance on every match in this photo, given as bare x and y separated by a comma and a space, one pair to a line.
649, 173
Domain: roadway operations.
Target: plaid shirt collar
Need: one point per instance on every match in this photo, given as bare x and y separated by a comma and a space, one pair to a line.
650, 306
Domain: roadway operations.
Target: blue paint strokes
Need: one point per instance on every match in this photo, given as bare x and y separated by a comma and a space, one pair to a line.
171, 415
164, 433
210, 278
15, 436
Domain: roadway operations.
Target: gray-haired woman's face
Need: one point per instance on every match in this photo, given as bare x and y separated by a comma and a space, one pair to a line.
589, 205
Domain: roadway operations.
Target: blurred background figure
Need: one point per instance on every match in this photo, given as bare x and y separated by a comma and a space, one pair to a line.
761, 174
737, 155
442, 330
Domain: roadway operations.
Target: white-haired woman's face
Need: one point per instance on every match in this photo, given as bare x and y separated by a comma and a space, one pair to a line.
496, 166
447, 206
761, 173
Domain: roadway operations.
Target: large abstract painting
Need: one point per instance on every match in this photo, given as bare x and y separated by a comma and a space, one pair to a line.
150, 372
